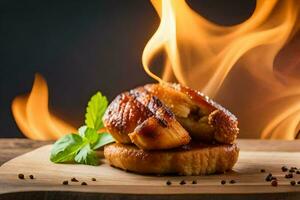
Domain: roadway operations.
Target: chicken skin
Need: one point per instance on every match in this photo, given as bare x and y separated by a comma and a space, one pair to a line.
139, 117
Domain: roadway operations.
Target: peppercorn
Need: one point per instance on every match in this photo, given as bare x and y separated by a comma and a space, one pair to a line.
83, 183
21, 176
223, 182
293, 183
274, 183
290, 175
182, 182
31, 176
65, 182
194, 182
93, 179
262, 170
74, 180
298, 172
284, 168
292, 170
168, 182
232, 182
269, 177
273, 178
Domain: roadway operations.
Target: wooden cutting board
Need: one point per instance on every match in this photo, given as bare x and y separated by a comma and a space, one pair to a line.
247, 174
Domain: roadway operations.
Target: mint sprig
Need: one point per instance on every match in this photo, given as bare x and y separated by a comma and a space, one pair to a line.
80, 147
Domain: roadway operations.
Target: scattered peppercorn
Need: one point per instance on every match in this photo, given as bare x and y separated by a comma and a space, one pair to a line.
284, 168
262, 170
31, 176
292, 170
298, 172
290, 175
65, 182
168, 182
298, 182
74, 180
274, 183
232, 182
93, 179
194, 182
21, 176
274, 178
269, 177
223, 182
83, 183
182, 182
293, 183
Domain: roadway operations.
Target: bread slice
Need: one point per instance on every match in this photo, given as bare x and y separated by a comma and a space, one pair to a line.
191, 159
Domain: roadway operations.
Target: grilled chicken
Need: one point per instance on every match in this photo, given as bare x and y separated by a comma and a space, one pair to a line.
191, 159
141, 118
203, 118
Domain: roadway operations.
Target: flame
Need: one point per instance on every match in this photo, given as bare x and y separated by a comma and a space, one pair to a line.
33, 117
234, 64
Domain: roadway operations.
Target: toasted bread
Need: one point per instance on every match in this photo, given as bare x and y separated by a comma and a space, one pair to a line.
191, 159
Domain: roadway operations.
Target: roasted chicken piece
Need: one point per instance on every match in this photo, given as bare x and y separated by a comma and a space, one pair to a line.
191, 159
203, 118
141, 118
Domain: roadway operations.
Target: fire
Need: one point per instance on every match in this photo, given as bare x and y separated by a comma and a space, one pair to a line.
33, 117
234, 64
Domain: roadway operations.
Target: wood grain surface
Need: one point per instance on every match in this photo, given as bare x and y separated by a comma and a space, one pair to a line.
116, 184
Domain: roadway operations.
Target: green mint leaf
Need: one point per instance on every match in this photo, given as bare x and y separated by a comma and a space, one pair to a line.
66, 148
89, 134
95, 111
81, 130
104, 138
87, 156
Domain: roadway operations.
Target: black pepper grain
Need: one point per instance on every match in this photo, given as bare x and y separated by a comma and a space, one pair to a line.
274, 183
284, 168
223, 182
83, 183
293, 183
292, 170
182, 182
65, 182
74, 180
94, 179
194, 182
262, 170
168, 183
290, 175
232, 182
273, 178
298, 182
298, 172
21, 176
269, 177
31, 176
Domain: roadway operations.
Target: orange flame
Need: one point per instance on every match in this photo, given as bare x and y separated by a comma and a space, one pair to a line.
33, 117
233, 64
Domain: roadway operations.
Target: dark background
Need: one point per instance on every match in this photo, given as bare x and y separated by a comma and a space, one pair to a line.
81, 47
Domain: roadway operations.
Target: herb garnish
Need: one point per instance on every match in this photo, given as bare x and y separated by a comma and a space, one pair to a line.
80, 147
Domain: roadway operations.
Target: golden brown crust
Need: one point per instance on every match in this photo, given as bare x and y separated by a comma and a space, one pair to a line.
204, 119
123, 115
140, 117
151, 135
191, 159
